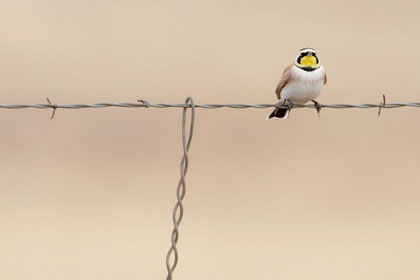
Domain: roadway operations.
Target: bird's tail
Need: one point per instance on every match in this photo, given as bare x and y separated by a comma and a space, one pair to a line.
279, 113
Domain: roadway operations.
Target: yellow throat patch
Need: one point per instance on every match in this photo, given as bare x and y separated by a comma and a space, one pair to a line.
308, 61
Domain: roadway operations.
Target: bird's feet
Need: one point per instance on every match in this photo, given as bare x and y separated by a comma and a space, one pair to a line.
289, 106
317, 107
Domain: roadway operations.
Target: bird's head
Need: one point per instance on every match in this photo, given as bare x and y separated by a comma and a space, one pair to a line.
307, 59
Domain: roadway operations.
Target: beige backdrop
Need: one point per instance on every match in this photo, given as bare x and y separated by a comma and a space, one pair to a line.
89, 195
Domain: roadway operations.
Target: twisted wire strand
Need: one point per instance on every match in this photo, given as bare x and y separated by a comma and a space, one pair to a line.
180, 191
204, 106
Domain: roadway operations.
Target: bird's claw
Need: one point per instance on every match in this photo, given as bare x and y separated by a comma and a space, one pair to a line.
318, 107
290, 105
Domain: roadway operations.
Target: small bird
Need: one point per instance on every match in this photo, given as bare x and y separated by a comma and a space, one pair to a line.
300, 83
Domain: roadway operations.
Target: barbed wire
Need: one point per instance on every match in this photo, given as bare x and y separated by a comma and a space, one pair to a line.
146, 104
205, 106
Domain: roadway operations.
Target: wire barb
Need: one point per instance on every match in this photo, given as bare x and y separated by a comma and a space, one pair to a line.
53, 106
180, 191
145, 103
382, 104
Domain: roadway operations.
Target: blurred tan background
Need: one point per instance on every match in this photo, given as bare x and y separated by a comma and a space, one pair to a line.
89, 195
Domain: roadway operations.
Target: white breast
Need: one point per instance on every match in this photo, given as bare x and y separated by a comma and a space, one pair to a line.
303, 86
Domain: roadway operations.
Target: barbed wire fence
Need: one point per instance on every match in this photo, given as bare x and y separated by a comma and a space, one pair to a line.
146, 104
178, 211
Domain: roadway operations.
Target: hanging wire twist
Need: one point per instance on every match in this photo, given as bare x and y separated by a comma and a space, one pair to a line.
180, 191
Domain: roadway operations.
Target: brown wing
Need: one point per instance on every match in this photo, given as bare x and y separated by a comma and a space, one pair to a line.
283, 81
325, 78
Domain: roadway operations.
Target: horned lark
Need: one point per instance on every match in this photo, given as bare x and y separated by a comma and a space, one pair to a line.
301, 82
